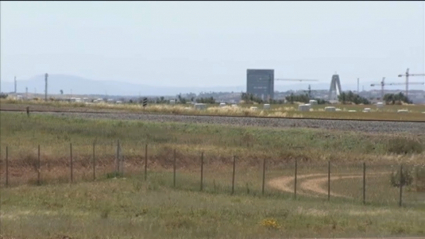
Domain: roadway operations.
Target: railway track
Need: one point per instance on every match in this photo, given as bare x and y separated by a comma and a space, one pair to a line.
226, 116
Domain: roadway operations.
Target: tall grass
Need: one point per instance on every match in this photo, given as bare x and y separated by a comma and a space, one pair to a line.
386, 113
54, 133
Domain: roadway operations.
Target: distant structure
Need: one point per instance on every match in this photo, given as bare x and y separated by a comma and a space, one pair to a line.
45, 90
16, 86
335, 87
260, 83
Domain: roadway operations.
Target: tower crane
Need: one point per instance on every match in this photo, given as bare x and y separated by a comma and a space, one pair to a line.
295, 80
382, 83
309, 91
300, 80
407, 80
382, 87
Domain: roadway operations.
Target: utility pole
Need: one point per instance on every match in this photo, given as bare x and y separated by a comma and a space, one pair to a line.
16, 90
26, 92
45, 91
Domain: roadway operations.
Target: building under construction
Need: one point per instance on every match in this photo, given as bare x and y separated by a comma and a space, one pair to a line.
260, 83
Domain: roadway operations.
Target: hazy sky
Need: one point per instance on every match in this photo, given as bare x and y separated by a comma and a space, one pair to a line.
212, 43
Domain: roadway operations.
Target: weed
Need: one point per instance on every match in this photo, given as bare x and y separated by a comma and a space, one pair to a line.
105, 213
270, 223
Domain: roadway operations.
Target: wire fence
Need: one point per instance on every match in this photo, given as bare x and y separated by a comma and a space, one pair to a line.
360, 182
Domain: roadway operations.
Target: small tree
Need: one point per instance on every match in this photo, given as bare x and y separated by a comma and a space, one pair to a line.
405, 179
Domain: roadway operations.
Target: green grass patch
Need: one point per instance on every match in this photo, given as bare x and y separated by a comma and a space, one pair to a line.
133, 208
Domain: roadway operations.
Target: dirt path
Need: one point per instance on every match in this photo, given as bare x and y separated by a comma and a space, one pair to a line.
313, 185
286, 183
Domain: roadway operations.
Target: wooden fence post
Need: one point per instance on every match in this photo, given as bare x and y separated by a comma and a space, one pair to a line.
233, 175
117, 159
329, 180
264, 176
202, 171
70, 165
7, 166
94, 162
38, 167
401, 186
146, 162
174, 169
295, 178
364, 182
121, 159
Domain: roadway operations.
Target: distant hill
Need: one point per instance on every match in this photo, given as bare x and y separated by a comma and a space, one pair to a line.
82, 86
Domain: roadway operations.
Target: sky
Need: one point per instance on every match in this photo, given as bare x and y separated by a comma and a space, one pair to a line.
206, 44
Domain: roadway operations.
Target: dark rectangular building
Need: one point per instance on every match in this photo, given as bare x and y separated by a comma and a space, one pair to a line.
260, 83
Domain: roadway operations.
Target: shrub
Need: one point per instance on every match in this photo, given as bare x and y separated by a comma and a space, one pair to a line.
404, 146
405, 180
114, 175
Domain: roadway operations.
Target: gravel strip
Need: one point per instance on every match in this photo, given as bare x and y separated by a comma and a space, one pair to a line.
348, 125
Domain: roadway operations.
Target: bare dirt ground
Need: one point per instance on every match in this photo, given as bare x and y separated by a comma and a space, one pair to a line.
314, 184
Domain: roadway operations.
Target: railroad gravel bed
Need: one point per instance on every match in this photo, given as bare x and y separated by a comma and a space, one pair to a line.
348, 125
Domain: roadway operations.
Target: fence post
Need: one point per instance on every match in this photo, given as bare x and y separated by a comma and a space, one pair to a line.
233, 174
174, 169
329, 180
117, 159
202, 170
121, 159
401, 185
146, 162
264, 176
364, 182
7, 166
295, 178
38, 166
70, 165
94, 162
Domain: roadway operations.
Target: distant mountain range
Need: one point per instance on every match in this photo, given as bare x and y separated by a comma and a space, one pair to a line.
82, 86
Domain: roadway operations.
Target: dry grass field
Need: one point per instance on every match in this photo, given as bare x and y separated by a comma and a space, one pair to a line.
129, 206
389, 112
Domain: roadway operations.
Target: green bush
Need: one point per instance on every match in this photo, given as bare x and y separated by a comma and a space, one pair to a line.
404, 146
114, 175
406, 178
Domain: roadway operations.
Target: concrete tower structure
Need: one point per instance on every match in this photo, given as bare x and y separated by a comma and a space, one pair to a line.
335, 87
